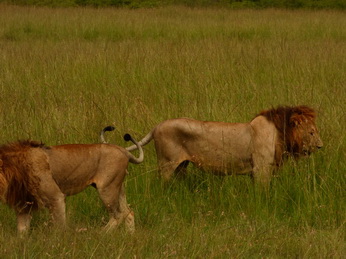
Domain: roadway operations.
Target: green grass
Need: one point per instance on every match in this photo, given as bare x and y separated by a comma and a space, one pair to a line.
235, 4
66, 73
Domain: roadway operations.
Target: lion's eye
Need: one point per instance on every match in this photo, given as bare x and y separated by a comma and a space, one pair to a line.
312, 133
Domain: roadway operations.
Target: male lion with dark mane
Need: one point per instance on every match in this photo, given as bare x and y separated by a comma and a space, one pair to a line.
33, 175
255, 148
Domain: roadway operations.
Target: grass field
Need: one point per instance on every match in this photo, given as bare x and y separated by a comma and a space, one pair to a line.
67, 73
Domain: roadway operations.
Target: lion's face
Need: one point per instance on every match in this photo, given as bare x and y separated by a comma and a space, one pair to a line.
307, 139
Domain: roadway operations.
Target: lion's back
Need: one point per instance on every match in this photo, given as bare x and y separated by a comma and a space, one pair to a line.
206, 143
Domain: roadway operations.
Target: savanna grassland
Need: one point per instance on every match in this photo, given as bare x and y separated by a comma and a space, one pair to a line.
65, 73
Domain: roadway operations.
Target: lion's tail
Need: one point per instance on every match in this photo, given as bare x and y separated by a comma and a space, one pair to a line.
134, 159
102, 134
143, 142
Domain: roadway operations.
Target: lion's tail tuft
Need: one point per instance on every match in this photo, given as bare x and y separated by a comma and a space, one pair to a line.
133, 159
127, 137
102, 134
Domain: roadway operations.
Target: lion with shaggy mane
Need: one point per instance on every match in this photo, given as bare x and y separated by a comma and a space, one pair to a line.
255, 148
33, 175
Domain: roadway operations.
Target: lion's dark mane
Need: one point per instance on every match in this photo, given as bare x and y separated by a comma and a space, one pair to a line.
285, 118
18, 183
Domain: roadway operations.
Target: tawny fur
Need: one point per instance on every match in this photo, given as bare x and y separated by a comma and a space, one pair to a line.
33, 175
255, 148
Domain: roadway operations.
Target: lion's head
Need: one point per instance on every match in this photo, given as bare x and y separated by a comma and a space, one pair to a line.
298, 134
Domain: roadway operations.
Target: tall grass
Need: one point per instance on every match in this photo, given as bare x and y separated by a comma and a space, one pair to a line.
331, 4
67, 73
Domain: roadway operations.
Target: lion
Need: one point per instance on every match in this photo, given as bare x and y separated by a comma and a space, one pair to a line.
35, 175
26, 182
256, 148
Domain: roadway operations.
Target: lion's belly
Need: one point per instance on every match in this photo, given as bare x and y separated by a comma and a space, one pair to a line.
68, 188
71, 183
223, 152
223, 164
73, 172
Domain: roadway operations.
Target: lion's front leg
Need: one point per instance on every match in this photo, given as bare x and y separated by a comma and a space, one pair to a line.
262, 169
54, 200
23, 222
57, 208
262, 176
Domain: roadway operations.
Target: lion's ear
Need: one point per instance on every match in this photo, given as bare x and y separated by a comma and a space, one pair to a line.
295, 120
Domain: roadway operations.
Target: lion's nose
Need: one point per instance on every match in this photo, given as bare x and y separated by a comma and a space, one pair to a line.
319, 145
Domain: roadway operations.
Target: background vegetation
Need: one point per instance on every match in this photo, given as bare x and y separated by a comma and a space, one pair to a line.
334, 4
65, 73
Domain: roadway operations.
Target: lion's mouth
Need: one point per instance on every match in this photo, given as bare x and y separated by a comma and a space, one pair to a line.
306, 152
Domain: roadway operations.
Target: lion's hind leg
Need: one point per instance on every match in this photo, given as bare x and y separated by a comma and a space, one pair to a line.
126, 211
114, 199
110, 199
180, 171
168, 169
172, 160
